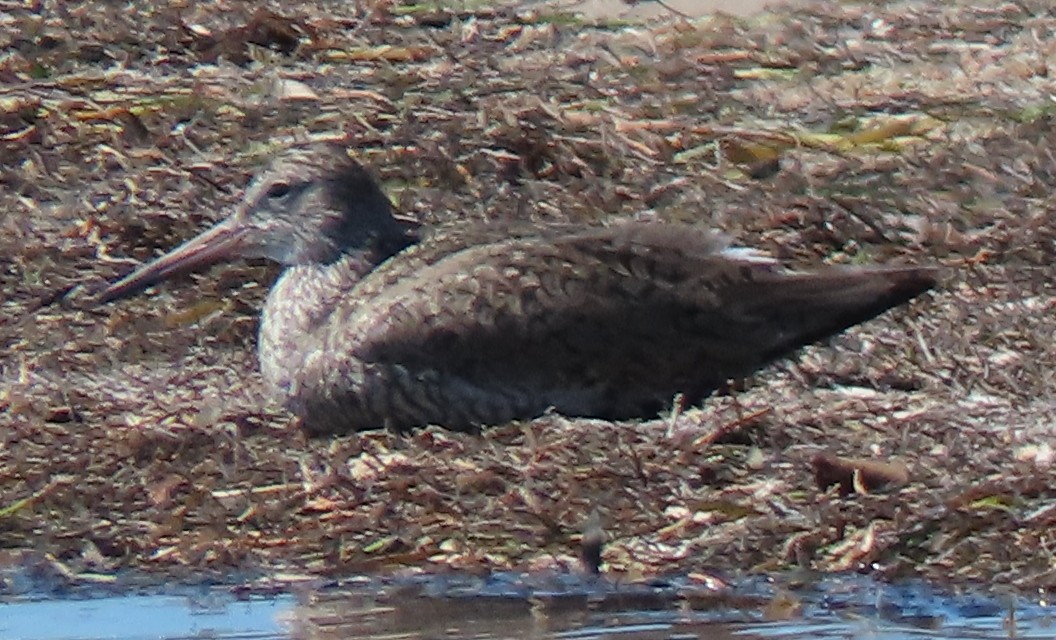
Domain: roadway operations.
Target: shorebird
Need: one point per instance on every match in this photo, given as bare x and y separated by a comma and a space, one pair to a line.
373, 323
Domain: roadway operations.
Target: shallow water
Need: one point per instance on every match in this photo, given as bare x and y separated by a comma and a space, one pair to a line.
205, 615
514, 606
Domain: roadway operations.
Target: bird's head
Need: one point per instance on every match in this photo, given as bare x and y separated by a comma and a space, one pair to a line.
311, 206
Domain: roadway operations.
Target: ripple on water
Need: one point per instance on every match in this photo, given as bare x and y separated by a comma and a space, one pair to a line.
519, 606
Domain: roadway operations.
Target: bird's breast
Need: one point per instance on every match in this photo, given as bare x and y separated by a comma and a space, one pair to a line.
294, 324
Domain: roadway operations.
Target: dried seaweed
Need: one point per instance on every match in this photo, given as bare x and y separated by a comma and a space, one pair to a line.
137, 436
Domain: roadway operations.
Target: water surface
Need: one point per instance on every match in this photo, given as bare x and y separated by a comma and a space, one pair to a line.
518, 606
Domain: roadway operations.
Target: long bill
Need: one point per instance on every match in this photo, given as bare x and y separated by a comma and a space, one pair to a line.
223, 241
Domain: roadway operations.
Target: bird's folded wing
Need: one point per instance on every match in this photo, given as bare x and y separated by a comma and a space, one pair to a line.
638, 303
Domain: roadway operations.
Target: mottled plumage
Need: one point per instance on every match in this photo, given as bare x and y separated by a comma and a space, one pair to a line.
370, 325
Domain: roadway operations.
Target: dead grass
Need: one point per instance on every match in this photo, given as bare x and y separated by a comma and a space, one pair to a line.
135, 435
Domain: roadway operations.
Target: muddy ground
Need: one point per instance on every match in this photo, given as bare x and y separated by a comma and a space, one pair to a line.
137, 435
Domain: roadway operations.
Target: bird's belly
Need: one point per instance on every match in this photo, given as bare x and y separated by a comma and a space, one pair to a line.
355, 395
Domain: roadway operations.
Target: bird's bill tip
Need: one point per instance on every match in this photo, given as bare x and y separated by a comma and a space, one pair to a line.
223, 241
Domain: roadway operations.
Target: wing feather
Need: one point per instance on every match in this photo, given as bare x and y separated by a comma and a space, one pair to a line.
605, 321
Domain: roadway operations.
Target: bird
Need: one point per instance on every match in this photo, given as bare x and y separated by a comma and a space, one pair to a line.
376, 321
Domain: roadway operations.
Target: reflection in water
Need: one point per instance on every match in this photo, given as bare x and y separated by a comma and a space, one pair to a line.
512, 606
509, 606
552, 608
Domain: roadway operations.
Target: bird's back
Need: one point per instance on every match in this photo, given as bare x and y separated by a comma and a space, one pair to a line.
606, 322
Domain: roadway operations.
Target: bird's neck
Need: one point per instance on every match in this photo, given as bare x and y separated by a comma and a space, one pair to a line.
292, 326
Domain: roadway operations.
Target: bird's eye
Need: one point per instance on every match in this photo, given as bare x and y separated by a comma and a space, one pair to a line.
278, 190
